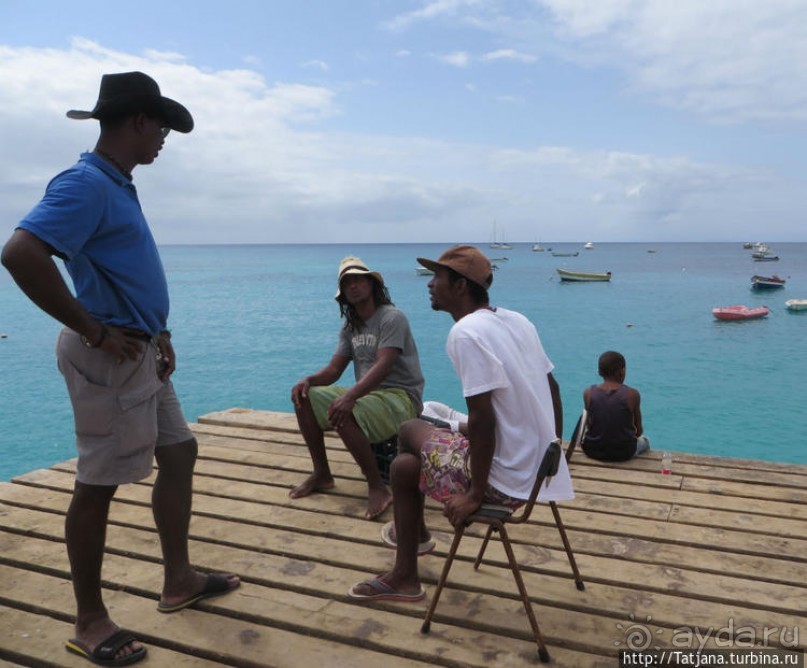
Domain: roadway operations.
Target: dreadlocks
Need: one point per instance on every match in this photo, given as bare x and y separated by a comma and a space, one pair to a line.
348, 312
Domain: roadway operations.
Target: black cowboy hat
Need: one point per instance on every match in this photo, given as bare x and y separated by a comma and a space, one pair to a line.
131, 93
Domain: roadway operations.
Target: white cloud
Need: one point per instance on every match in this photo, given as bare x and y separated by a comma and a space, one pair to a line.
260, 167
457, 59
509, 54
727, 60
317, 65
431, 10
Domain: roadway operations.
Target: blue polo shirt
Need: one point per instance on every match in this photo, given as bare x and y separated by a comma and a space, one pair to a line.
91, 215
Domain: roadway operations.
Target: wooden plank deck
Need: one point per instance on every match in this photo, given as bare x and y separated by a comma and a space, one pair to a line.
719, 544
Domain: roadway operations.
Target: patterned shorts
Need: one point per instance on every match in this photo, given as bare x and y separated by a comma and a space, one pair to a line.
446, 470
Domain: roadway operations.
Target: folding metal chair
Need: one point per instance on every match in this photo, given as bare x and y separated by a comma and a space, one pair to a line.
496, 517
579, 433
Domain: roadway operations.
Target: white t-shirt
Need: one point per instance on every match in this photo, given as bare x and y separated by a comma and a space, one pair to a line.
500, 352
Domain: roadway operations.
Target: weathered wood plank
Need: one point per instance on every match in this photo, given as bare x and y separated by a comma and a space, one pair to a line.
601, 569
28, 635
278, 421
588, 522
328, 582
721, 541
324, 610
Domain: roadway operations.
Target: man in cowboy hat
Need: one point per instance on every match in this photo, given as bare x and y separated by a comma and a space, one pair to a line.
514, 413
115, 352
388, 389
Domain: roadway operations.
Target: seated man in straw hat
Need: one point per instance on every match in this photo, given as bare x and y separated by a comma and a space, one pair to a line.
388, 389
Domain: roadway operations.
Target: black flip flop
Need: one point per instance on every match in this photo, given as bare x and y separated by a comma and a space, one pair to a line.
105, 651
216, 585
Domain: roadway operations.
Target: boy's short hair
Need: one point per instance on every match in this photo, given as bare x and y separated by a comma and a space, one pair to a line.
610, 363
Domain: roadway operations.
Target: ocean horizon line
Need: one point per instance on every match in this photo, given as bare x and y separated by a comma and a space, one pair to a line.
485, 242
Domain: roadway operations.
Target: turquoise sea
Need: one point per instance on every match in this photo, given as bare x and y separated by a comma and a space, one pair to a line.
249, 321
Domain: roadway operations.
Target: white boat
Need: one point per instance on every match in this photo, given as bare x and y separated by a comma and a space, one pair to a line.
583, 277
422, 271
796, 304
763, 253
537, 248
501, 244
588, 245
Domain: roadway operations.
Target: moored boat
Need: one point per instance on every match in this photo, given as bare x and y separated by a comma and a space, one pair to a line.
582, 276
767, 282
560, 254
764, 254
739, 312
537, 247
796, 304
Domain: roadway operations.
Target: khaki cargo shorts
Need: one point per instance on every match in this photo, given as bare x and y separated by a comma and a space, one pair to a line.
121, 411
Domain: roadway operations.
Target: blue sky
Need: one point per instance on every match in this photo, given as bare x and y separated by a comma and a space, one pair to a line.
428, 120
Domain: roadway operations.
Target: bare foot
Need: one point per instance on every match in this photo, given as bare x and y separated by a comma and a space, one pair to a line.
313, 483
378, 500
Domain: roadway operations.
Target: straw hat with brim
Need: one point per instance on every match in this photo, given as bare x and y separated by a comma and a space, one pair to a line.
132, 93
354, 265
468, 261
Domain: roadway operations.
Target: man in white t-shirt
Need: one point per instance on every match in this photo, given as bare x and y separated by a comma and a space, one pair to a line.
514, 413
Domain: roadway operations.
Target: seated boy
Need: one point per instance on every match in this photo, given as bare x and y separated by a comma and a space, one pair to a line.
614, 416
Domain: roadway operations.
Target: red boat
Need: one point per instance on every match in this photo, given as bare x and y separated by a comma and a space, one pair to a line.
739, 312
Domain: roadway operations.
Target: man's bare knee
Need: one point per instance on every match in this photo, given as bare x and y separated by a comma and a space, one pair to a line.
406, 466
412, 434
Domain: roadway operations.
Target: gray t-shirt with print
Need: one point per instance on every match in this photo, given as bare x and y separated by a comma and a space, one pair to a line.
387, 328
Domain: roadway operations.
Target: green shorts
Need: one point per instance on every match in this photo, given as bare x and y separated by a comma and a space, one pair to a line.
378, 413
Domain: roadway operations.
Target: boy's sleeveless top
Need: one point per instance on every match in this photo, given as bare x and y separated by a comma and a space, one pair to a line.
612, 437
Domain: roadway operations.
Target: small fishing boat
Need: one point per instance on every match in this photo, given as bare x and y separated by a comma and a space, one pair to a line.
767, 282
582, 277
764, 254
559, 254
748, 245
796, 304
739, 312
